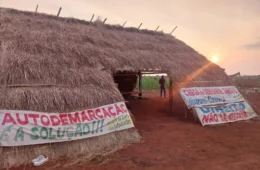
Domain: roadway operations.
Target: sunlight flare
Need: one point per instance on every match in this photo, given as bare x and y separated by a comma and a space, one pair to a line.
215, 59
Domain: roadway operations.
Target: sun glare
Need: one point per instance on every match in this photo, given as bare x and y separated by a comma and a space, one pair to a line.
215, 59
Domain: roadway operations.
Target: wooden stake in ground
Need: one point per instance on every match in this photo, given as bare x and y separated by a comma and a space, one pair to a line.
140, 83
157, 28
124, 24
171, 96
36, 8
59, 12
173, 30
104, 20
92, 17
140, 26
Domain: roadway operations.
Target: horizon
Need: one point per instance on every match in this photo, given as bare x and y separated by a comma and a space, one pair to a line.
213, 33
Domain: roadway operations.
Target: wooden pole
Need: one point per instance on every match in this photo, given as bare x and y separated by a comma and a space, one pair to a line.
124, 24
140, 26
157, 28
171, 96
92, 17
104, 20
173, 30
59, 12
140, 83
36, 8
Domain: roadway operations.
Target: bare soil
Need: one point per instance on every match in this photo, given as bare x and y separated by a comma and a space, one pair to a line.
171, 141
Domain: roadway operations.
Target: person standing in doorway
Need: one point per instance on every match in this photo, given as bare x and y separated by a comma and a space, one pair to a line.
162, 86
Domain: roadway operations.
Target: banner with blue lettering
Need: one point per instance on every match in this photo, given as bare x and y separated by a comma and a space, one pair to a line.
205, 96
226, 113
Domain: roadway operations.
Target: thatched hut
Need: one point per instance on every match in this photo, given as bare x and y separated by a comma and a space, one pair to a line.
52, 64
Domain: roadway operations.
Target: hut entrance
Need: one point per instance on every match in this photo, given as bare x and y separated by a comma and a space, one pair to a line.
130, 84
126, 83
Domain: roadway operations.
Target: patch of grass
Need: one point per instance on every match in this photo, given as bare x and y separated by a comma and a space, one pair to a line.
152, 83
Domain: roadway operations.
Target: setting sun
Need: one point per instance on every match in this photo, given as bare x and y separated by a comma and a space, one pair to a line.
215, 59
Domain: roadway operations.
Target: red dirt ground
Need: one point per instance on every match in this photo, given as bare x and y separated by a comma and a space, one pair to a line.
173, 142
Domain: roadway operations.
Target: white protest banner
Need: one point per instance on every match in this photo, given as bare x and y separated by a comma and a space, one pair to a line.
224, 114
203, 96
19, 128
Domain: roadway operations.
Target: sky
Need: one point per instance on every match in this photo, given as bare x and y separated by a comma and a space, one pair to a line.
228, 29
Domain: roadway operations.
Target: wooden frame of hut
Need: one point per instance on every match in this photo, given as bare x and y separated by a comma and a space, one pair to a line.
54, 64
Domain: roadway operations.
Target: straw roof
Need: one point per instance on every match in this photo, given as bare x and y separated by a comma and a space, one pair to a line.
64, 52
234, 76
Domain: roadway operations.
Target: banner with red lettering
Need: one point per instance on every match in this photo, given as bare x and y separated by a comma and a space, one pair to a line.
204, 96
19, 128
224, 114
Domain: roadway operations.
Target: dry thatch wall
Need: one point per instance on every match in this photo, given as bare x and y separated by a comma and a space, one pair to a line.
79, 151
52, 64
44, 40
